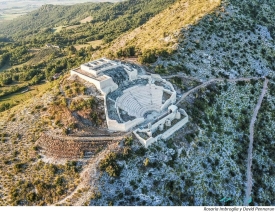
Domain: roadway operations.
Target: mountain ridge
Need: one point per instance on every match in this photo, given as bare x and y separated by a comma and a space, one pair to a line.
164, 30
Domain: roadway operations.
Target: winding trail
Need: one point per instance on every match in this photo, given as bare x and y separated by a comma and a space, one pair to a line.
250, 148
88, 180
182, 76
251, 127
211, 81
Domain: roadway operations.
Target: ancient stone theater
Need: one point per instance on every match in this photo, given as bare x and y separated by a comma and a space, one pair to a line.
135, 101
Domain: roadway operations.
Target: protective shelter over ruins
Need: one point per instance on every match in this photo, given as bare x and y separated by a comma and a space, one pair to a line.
134, 100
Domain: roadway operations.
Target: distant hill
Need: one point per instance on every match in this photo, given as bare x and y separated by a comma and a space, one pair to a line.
112, 17
108, 20
47, 16
11, 9
11, 4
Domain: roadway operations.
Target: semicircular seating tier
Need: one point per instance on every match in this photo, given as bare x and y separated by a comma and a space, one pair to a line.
139, 100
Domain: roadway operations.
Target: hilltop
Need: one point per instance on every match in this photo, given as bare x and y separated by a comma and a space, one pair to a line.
208, 161
37, 52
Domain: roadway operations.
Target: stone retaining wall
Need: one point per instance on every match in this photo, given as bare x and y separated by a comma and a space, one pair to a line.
70, 149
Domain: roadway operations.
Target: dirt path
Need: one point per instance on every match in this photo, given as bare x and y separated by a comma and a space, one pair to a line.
211, 81
90, 173
250, 148
251, 127
88, 179
181, 75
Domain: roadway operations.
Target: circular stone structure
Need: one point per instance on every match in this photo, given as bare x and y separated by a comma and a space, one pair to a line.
137, 101
129, 94
140, 100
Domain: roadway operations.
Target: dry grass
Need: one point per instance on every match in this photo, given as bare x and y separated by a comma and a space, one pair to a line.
162, 31
85, 20
96, 43
80, 46
91, 43
11, 16
59, 28
19, 97
43, 55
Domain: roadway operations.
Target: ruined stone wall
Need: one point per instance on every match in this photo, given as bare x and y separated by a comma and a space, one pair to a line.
104, 87
123, 127
89, 79
169, 101
108, 85
144, 142
155, 126
69, 149
132, 73
175, 128
175, 114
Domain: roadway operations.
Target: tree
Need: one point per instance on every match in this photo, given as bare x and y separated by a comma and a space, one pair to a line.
109, 165
148, 56
71, 49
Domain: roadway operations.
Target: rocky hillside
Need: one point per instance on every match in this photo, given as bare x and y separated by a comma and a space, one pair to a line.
235, 41
164, 30
43, 143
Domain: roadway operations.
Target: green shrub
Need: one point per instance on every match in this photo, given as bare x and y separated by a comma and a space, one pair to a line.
82, 104
128, 141
109, 165
148, 56
160, 69
18, 167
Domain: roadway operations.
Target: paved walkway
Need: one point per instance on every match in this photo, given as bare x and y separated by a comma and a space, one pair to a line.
250, 148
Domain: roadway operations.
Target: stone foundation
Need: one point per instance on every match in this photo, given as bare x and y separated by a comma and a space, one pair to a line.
145, 136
